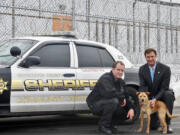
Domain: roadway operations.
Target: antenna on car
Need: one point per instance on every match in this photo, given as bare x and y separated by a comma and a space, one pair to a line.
66, 34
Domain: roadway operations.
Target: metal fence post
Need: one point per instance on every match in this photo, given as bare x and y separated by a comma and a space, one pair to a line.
148, 25
39, 8
166, 39
171, 26
116, 34
97, 31
73, 15
145, 36
134, 28
158, 30
140, 44
13, 18
177, 22
103, 31
176, 40
128, 38
87, 16
109, 32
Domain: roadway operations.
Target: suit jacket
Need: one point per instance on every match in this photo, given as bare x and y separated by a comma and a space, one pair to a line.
160, 83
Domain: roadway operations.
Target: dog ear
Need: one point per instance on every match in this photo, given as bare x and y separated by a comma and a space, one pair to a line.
137, 92
147, 92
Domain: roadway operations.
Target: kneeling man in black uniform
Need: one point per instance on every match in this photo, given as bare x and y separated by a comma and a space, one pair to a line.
109, 99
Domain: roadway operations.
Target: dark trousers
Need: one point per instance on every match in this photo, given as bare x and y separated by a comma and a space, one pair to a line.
109, 110
168, 98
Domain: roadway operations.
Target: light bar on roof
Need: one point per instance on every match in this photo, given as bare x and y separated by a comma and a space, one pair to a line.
68, 34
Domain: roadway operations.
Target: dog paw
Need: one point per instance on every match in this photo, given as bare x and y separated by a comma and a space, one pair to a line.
147, 131
160, 129
164, 131
139, 130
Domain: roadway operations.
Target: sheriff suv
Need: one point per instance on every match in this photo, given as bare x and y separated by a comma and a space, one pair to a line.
52, 74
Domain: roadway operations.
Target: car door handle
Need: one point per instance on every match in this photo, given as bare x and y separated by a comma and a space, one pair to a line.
69, 75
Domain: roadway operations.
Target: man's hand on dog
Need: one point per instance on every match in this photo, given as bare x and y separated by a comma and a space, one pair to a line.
130, 114
153, 102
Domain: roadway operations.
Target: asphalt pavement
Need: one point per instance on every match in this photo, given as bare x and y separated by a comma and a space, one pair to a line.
82, 124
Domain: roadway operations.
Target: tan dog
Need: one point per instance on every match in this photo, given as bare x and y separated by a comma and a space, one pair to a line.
159, 107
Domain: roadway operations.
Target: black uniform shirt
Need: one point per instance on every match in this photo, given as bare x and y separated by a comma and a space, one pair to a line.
107, 87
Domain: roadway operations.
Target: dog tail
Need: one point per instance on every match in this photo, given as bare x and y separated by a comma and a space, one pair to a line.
171, 116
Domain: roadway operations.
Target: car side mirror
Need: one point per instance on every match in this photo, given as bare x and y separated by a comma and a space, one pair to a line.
15, 51
30, 61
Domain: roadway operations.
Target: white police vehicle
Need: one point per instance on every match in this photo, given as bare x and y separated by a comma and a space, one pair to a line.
54, 74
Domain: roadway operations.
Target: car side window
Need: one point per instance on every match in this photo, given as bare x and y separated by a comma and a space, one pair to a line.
106, 58
91, 56
54, 55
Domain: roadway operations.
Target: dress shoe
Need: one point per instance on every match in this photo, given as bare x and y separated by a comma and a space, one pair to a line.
115, 130
105, 130
170, 130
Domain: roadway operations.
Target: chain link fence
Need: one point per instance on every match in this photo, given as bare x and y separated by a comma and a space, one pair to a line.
129, 25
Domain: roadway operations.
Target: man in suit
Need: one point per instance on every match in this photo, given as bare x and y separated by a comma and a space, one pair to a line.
155, 78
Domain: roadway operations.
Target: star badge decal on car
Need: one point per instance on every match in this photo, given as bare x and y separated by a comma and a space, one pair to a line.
3, 85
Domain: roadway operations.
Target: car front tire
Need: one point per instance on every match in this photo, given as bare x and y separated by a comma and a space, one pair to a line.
134, 100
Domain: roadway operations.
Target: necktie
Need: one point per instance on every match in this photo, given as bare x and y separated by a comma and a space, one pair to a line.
152, 73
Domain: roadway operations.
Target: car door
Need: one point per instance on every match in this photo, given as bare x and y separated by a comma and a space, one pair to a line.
93, 61
47, 86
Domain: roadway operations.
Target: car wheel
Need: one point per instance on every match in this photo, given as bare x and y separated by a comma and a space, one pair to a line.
134, 100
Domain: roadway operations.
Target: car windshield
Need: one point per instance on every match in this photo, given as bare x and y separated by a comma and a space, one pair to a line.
6, 58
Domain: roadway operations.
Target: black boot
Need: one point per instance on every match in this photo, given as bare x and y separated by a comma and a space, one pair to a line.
114, 130
105, 130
